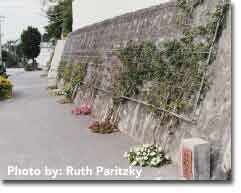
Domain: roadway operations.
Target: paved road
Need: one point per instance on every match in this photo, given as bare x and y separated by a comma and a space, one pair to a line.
35, 132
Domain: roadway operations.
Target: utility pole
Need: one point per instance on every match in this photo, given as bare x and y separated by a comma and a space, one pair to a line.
1, 19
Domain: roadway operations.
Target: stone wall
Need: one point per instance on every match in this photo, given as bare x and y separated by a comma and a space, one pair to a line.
155, 24
93, 11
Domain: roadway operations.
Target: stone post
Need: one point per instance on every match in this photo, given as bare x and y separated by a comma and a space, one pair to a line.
195, 159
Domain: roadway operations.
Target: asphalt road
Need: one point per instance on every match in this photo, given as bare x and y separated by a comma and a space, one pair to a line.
38, 133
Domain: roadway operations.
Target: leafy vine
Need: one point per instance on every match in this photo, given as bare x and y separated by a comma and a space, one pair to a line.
175, 68
72, 77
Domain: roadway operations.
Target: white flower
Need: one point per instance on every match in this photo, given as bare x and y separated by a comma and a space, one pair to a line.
126, 155
155, 161
137, 149
160, 149
143, 155
153, 153
167, 157
134, 163
142, 163
146, 145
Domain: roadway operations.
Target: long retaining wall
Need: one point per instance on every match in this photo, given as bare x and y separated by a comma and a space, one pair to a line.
155, 24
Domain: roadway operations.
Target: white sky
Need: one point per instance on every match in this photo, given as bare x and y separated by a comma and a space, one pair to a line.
18, 15
87, 12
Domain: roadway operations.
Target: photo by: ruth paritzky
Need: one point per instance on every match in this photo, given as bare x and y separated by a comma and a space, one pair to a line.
116, 90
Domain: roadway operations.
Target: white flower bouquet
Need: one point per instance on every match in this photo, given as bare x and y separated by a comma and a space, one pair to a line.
147, 155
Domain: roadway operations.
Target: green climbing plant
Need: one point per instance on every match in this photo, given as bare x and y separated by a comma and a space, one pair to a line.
72, 76
175, 67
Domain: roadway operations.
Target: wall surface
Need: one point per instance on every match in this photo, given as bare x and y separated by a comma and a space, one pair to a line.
93, 11
52, 75
155, 24
45, 55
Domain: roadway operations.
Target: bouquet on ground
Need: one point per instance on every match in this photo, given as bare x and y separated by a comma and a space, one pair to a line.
105, 127
84, 109
147, 155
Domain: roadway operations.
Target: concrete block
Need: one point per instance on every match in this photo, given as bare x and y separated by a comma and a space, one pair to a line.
195, 159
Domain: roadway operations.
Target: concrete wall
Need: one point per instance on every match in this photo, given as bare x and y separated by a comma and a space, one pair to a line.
93, 11
156, 24
45, 55
52, 75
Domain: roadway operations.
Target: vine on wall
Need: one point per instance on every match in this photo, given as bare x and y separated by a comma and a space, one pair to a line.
175, 68
72, 77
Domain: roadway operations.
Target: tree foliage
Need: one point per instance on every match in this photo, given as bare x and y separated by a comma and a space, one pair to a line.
30, 42
9, 59
60, 19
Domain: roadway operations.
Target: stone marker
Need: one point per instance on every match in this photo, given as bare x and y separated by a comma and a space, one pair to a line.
195, 159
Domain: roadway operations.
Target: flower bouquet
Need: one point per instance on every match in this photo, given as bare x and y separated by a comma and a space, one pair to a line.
147, 155
103, 127
84, 109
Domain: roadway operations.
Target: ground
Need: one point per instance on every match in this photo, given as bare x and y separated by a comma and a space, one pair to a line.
35, 131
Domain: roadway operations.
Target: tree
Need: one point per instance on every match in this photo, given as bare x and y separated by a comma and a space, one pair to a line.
60, 19
45, 37
67, 17
20, 55
31, 39
9, 59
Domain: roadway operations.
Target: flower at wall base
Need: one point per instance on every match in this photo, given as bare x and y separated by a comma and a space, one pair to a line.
153, 153
134, 163
155, 161
145, 158
160, 149
167, 157
125, 155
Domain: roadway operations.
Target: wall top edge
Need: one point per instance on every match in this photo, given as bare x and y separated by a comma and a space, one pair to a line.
137, 13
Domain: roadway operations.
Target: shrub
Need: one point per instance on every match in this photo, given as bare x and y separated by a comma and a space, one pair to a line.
28, 67
68, 91
147, 155
5, 88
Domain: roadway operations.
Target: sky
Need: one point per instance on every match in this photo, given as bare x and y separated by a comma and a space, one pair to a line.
19, 14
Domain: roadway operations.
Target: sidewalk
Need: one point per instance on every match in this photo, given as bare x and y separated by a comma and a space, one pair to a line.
35, 131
